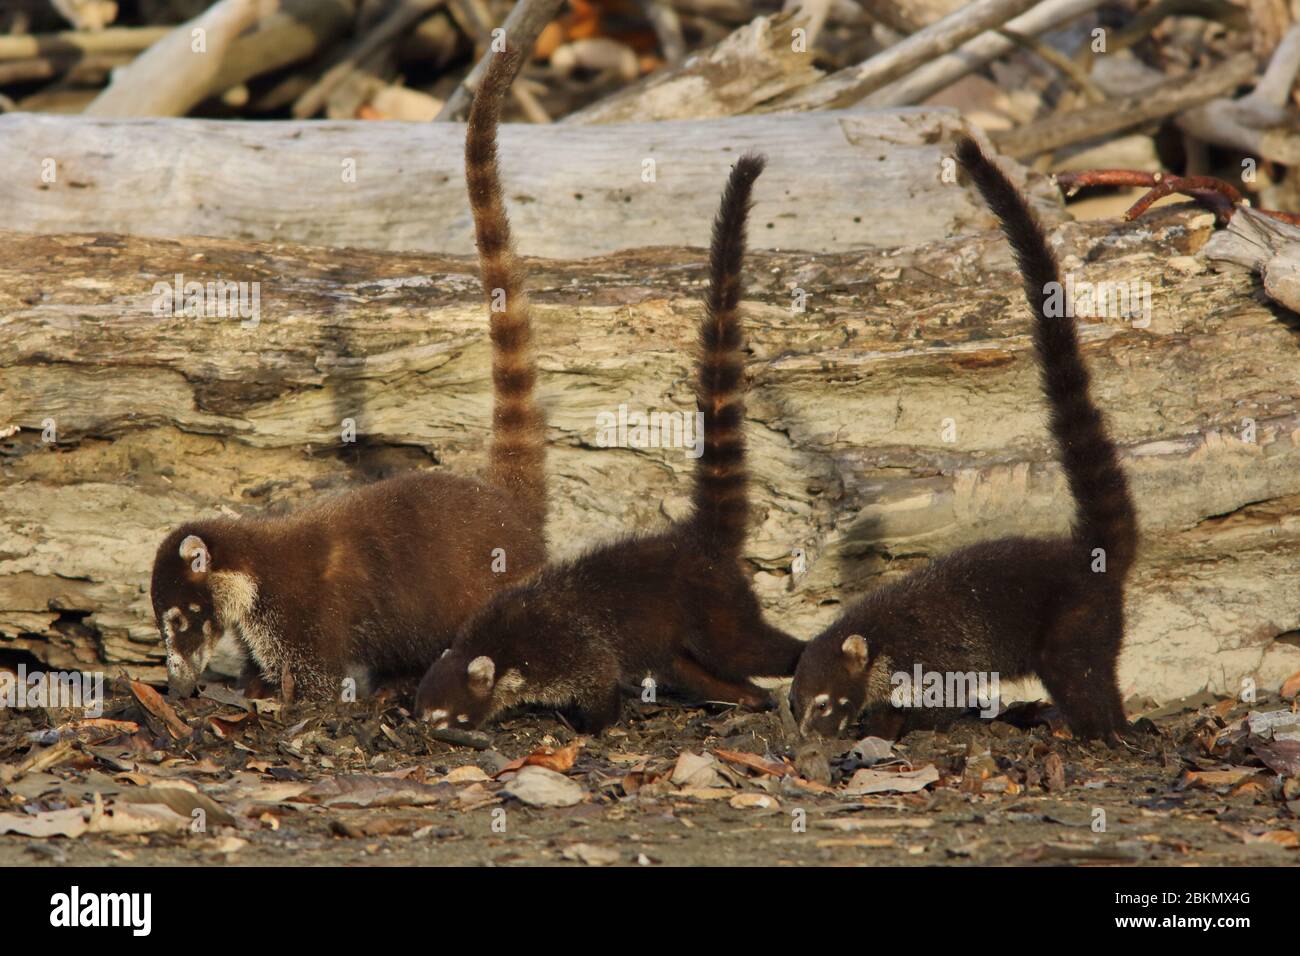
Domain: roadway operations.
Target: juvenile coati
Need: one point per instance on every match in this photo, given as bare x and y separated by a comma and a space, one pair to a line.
1013, 606
675, 607
375, 582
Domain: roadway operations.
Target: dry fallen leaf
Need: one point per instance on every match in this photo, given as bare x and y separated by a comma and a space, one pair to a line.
1209, 779
96, 818
362, 790
153, 702
539, 787
695, 770
753, 762
549, 757
866, 781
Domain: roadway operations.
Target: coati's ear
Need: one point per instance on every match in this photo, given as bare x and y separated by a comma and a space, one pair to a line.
482, 672
855, 649
195, 552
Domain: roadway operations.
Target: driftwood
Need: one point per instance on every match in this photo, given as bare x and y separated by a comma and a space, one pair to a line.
165, 82
526, 20
895, 417
755, 64
975, 54
1266, 247
1125, 112
574, 192
847, 86
177, 73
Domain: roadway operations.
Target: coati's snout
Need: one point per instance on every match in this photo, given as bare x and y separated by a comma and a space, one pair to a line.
829, 688
456, 693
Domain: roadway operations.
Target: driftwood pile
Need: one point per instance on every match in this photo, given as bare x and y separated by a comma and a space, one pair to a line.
894, 413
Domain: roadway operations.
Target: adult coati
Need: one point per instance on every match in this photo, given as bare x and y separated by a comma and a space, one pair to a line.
1014, 606
376, 581
675, 607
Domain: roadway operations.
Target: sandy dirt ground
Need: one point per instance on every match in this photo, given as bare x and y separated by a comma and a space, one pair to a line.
217, 780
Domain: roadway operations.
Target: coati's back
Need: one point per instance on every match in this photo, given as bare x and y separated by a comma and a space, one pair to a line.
981, 607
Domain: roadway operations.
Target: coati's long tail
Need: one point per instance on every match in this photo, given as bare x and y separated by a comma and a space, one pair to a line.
517, 457
1105, 516
721, 499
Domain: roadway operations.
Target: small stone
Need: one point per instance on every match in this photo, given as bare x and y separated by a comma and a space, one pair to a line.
754, 801
590, 854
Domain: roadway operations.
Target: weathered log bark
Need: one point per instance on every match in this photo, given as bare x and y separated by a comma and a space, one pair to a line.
897, 417
834, 181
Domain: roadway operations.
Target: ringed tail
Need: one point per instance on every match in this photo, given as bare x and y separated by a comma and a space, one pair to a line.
1105, 516
720, 496
517, 454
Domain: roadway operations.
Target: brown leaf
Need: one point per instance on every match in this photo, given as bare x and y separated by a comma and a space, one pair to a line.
866, 781
1209, 779
558, 760
1280, 756
362, 790
753, 762
154, 703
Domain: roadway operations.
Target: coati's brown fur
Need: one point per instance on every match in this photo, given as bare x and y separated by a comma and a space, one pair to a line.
675, 607
376, 581
1014, 606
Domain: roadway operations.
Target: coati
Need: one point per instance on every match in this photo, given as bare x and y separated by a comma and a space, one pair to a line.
674, 607
1013, 606
376, 581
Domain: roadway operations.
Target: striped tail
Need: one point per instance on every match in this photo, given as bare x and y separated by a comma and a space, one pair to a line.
517, 457
721, 500
1104, 513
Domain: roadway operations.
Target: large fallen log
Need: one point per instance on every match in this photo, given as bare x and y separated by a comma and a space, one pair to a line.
895, 417
835, 181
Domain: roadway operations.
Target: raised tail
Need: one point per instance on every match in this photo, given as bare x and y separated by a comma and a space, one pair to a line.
1105, 516
517, 456
721, 500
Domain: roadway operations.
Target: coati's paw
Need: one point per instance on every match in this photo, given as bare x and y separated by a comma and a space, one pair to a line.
254, 688
757, 699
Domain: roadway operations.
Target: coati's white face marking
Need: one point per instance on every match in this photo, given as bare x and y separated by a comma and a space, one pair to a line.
173, 621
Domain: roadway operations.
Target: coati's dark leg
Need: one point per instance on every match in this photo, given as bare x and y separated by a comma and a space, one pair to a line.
593, 715
689, 676
250, 681
1077, 666
929, 718
887, 723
